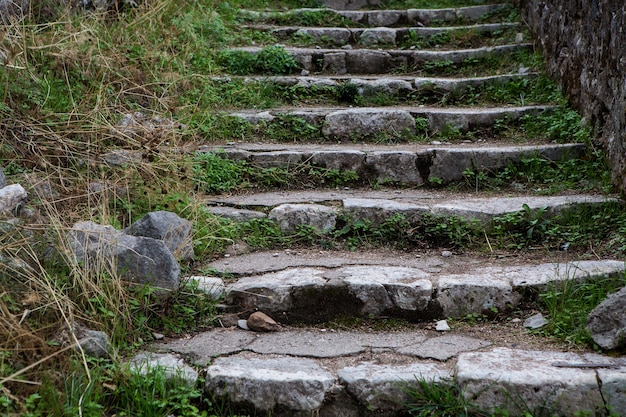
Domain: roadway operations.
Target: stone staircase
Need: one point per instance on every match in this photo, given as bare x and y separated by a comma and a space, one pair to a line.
312, 368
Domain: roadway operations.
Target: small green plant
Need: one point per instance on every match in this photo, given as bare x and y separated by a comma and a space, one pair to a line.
269, 60
213, 173
439, 399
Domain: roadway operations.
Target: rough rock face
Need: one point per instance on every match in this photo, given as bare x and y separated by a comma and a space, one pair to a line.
583, 43
168, 227
607, 322
139, 259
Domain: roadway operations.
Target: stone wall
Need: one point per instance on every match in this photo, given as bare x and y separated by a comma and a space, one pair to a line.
584, 43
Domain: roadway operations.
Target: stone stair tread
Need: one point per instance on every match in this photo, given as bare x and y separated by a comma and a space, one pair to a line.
418, 29
392, 17
454, 55
304, 370
408, 200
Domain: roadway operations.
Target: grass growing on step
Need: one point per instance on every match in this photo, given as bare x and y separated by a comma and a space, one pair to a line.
460, 39
439, 399
567, 305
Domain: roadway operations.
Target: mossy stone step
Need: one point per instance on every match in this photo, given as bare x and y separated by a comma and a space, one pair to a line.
376, 36
372, 61
407, 164
398, 121
377, 18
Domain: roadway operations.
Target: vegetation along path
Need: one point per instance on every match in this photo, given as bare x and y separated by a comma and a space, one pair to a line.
291, 208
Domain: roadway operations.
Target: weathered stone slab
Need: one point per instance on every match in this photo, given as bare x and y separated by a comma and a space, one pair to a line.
540, 276
237, 215
389, 86
382, 388
296, 384
394, 166
444, 347
312, 344
204, 347
607, 322
360, 122
378, 36
486, 208
290, 216
273, 293
377, 210
347, 160
471, 13
279, 159
338, 36
211, 286
459, 295
384, 288
563, 381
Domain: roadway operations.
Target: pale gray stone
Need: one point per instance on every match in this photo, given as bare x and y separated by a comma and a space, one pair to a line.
175, 232
607, 322
535, 321
471, 13
366, 61
211, 286
204, 347
254, 118
378, 36
12, 198
296, 384
383, 387
541, 276
382, 86
174, 368
279, 159
290, 216
237, 215
377, 211
273, 292
338, 36
360, 122
384, 17
442, 326
309, 343
93, 342
347, 160
142, 260
444, 347
122, 157
459, 295
394, 166
335, 63
531, 378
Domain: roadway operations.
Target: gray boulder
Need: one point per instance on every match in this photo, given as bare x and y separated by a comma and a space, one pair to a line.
168, 227
142, 260
12, 10
607, 322
93, 343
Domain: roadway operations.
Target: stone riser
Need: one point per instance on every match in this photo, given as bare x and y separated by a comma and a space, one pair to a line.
409, 167
316, 295
391, 85
411, 17
363, 122
368, 61
376, 36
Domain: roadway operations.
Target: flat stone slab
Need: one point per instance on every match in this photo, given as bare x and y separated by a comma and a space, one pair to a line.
387, 84
408, 164
377, 18
371, 61
293, 383
204, 347
568, 382
321, 294
444, 347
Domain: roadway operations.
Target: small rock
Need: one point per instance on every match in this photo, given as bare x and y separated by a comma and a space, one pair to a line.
442, 326
523, 70
435, 142
535, 322
158, 336
516, 320
304, 73
446, 254
243, 324
261, 322
519, 38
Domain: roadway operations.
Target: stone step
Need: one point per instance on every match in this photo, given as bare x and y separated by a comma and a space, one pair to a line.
408, 164
372, 61
379, 36
354, 123
329, 373
389, 18
385, 84
320, 209
309, 287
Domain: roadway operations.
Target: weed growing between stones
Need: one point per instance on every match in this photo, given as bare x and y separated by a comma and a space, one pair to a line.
567, 305
440, 399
